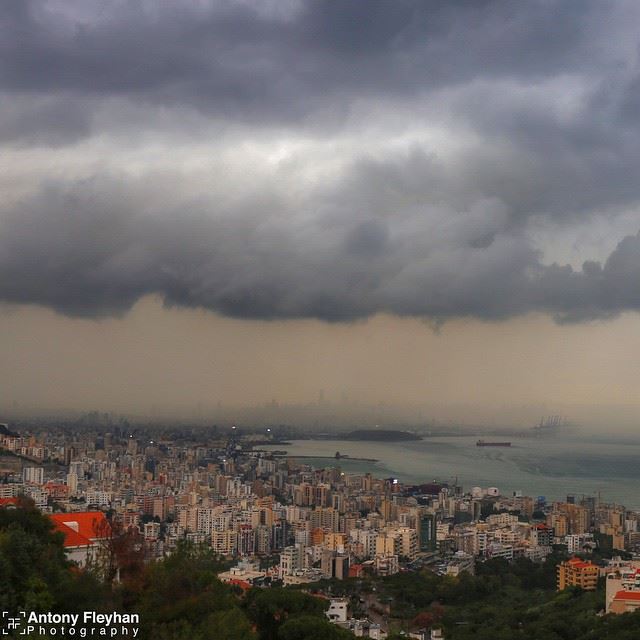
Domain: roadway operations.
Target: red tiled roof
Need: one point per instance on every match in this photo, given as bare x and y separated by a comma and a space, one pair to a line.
581, 564
243, 584
5, 502
627, 595
89, 524
71, 538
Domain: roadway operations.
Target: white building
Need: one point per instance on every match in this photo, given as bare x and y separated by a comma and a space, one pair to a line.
576, 542
33, 475
291, 560
337, 611
624, 577
99, 498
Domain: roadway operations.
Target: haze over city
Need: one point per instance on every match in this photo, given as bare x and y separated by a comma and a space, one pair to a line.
320, 319
426, 207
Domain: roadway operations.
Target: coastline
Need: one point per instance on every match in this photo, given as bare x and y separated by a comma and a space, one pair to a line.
334, 458
553, 467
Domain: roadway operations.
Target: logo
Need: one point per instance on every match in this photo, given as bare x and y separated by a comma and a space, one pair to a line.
89, 624
10, 623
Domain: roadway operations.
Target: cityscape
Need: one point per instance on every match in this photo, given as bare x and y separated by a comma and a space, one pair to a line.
320, 319
276, 522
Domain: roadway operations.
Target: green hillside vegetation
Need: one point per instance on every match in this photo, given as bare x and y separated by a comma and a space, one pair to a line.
34, 573
504, 601
180, 597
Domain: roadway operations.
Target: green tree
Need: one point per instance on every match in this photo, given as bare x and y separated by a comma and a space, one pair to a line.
269, 609
34, 572
181, 597
309, 627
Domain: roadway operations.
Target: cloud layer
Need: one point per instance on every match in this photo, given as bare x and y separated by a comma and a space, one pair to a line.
320, 160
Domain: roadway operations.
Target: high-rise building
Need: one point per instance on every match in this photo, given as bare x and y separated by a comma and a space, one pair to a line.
577, 518
334, 565
291, 560
246, 540
427, 532
224, 542
33, 475
72, 483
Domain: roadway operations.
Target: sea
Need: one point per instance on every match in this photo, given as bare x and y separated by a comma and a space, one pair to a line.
553, 467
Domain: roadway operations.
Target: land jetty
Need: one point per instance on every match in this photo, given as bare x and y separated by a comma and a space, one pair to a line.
338, 456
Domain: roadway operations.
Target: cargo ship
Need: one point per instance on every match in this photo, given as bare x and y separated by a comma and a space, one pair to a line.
484, 443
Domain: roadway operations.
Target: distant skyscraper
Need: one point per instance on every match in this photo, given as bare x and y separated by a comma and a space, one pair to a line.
33, 475
428, 532
72, 483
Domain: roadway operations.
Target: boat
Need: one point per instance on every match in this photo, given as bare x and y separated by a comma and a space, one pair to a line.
484, 443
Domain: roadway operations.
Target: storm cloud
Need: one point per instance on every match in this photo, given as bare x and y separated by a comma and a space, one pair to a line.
327, 160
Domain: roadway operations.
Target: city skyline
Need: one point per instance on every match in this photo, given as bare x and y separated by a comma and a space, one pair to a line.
320, 319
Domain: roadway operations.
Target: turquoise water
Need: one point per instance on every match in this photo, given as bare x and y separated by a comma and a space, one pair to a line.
551, 467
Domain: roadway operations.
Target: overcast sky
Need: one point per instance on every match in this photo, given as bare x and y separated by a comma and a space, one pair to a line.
345, 174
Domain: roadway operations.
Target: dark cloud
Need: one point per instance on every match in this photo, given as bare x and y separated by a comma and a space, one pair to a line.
538, 103
95, 248
48, 122
242, 62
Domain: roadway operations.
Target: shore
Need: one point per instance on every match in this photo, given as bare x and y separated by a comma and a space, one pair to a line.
334, 458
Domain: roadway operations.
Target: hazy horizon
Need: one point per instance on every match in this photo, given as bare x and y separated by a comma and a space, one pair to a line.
196, 365
429, 208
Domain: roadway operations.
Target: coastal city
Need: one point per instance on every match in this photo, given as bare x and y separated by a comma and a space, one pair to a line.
277, 521
319, 320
